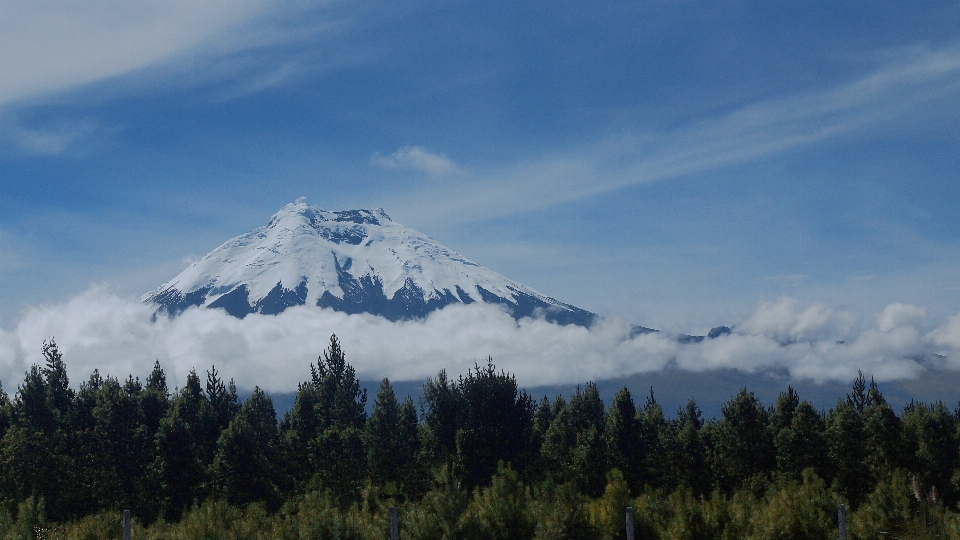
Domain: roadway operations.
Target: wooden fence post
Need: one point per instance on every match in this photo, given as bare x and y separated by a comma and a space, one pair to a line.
842, 521
126, 525
394, 524
629, 523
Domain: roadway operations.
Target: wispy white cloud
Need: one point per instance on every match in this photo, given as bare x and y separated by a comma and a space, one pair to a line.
909, 79
50, 140
417, 158
53, 45
120, 336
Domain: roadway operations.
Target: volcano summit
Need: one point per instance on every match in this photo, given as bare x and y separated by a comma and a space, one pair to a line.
354, 261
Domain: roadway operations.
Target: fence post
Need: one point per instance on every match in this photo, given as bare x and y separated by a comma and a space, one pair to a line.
629, 523
126, 525
842, 521
394, 524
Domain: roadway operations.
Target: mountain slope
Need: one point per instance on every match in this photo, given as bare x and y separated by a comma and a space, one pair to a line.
356, 261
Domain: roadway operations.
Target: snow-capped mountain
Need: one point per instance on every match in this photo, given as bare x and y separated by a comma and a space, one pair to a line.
355, 261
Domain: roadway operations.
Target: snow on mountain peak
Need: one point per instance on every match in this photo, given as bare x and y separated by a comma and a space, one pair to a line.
357, 261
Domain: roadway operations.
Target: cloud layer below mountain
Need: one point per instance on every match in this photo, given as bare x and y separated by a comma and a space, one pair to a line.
120, 336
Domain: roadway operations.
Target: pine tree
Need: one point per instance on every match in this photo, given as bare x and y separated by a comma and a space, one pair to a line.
36, 459
247, 466
413, 476
496, 426
340, 400
884, 435
58, 384
89, 450
542, 417
223, 399
383, 439
858, 397
154, 405
574, 446
783, 410
116, 429
801, 443
558, 444
656, 439
934, 445
301, 425
324, 431
184, 450
847, 451
338, 457
691, 461
743, 445
623, 440
443, 410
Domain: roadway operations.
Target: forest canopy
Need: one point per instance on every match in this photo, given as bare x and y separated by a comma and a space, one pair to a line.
477, 457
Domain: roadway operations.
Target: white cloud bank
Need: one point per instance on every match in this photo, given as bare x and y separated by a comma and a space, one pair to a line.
119, 336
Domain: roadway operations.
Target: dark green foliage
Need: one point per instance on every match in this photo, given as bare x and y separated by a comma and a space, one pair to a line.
223, 399
339, 460
337, 457
122, 443
301, 425
325, 426
35, 459
575, 445
58, 384
443, 410
624, 443
340, 400
218, 469
859, 398
885, 444
496, 425
478, 421
658, 443
931, 434
846, 443
798, 435
743, 447
382, 437
691, 450
542, 416
392, 440
247, 466
185, 444
413, 478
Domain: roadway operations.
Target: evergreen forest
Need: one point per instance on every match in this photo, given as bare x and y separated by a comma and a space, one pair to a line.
477, 457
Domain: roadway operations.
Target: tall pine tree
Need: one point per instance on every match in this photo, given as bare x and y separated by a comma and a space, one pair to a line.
247, 467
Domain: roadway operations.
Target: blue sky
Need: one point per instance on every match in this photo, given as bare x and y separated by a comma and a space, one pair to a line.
674, 164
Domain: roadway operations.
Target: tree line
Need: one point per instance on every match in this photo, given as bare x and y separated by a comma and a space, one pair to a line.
458, 460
